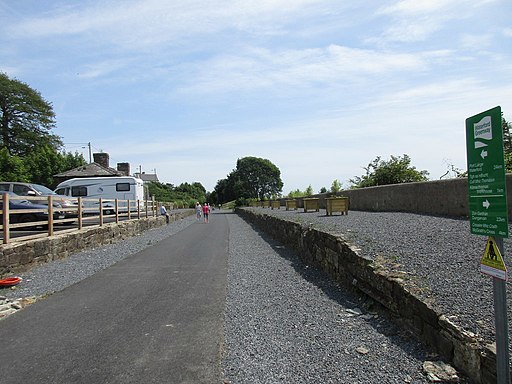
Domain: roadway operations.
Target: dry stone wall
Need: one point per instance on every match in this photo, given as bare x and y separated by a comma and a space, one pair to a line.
344, 263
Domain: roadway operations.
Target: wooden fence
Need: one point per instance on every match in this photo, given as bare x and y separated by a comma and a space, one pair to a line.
46, 221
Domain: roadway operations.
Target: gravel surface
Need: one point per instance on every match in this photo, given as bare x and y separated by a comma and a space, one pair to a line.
440, 255
287, 323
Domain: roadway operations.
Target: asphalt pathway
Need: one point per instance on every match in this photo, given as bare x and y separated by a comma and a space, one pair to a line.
155, 317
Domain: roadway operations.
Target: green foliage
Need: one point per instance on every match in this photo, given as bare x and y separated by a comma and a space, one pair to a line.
323, 190
395, 171
242, 202
194, 191
12, 167
184, 195
295, 194
44, 162
309, 191
336, 186
253, 177
37, 167
25, 119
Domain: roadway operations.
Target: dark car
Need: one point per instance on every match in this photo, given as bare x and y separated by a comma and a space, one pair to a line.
24, 205
31, 190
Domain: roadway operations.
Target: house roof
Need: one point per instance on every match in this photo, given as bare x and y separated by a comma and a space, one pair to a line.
89, 170
147, 176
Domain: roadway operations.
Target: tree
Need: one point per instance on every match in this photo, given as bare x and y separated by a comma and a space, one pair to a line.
12, 168
296, 193
45, 161
395, 171
259, 178
25, 118
253, 178
335, 186
184, 193
309, 191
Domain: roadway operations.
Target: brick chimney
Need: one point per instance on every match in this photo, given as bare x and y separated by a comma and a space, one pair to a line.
124, 168
101, 158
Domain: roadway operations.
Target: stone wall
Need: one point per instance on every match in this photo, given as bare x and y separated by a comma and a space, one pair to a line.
343, 263
439, 197
16, 257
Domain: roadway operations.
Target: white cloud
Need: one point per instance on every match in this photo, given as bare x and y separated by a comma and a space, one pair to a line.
262, 68
417, 20
138, 24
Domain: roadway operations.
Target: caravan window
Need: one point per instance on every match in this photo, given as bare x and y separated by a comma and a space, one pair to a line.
78, 191
123, 187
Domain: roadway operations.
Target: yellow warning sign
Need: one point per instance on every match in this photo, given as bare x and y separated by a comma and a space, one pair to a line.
492, 262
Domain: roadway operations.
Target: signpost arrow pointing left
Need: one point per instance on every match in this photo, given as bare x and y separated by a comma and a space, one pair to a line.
486, 204
483, 154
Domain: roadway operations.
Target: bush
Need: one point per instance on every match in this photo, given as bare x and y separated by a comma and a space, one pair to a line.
241, 202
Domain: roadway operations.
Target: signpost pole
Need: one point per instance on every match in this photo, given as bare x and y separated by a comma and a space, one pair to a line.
501, 321
488, 210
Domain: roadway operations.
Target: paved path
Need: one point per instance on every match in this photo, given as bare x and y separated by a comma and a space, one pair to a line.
155, 317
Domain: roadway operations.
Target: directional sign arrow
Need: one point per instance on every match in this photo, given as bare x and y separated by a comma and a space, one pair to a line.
486, 204
483, 154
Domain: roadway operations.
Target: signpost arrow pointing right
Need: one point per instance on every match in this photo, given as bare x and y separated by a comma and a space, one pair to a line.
486, 204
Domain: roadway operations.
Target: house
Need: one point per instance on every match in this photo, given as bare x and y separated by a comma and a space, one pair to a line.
152, 177
99, 168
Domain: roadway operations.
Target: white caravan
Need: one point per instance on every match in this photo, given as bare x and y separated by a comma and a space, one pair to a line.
91, 189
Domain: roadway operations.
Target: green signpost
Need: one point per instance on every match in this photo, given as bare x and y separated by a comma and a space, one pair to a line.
488, 215
486, 174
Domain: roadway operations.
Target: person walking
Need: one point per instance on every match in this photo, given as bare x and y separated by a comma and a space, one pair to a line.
206, 212
198, 211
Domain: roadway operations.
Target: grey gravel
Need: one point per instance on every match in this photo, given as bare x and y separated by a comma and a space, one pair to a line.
287, 323
440, 255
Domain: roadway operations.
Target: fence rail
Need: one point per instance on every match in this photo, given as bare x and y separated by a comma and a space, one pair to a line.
56, 218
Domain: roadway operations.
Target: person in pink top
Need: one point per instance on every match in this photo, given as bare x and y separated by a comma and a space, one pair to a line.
206, 212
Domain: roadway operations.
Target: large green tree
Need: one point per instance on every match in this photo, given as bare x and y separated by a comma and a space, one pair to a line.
253, 178
26, 118
394, 171
259, 178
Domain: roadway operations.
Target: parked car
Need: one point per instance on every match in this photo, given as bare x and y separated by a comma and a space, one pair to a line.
24, 205
37, 190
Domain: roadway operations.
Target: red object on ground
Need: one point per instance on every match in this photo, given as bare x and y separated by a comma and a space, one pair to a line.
10, 281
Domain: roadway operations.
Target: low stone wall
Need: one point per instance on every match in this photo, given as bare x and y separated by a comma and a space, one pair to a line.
343, 263
439, 198
17, 257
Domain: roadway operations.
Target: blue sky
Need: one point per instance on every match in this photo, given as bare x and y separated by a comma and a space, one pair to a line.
320, 88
